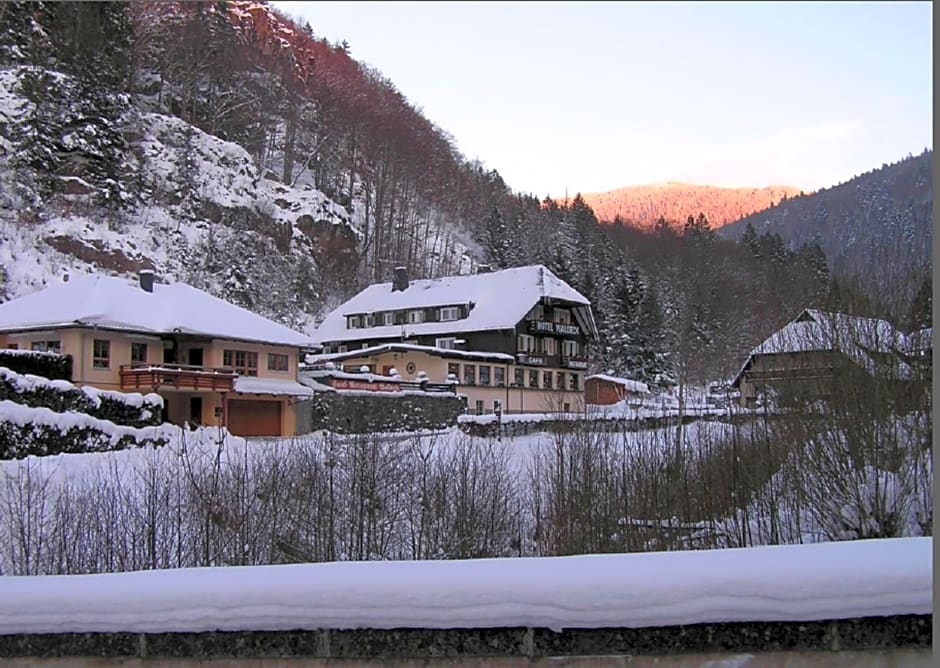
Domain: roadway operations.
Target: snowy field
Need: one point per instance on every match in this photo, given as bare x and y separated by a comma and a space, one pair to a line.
781, 583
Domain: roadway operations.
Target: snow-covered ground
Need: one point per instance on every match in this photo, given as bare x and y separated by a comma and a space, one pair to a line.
780, 583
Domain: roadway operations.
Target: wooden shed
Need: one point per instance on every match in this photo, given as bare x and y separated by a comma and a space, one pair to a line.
604, 390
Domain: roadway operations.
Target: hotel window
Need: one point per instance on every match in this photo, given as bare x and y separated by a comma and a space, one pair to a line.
549, 346
354, 322
244, 362
499, 376
342, 348
453, 369
484, 375
448, 343
388, 318
415, 317
563, 317
47, 346
368, 320
526, 343
479, 407
449, 313
574, 382
469, 374
519, 377
547, 380
278, 362
138, 353
569, 348
533, 378
101, 354
560, 380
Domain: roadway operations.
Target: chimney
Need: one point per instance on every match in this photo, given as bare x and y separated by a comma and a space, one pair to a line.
400, 282
146, 280
484, 269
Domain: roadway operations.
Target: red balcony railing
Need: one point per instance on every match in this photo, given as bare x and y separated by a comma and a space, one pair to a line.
144, 376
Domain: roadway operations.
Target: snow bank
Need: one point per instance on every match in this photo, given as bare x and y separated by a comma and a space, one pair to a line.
780, 583
25, 430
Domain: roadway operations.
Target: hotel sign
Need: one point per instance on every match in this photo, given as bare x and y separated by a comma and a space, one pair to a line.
365, 385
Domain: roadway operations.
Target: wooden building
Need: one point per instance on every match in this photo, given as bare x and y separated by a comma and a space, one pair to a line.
819, 354
604, 390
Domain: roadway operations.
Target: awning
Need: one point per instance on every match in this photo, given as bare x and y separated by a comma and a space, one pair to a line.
249, 385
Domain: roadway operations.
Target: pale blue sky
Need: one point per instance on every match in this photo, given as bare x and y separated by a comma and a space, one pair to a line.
589, 96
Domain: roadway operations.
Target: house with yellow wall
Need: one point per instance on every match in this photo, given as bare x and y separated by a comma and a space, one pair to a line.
514, 340
213, 363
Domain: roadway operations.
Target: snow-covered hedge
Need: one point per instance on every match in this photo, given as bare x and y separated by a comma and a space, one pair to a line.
45, 364
129, 409
28, 431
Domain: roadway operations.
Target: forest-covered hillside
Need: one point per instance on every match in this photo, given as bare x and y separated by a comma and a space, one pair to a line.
875, 229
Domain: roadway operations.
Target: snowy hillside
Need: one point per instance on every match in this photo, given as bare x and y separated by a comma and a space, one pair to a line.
200, 211
202, 198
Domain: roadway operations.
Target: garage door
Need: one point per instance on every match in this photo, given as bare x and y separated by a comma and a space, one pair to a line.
254, 418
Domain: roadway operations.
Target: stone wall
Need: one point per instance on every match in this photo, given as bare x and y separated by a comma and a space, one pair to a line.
862, 641
369, 412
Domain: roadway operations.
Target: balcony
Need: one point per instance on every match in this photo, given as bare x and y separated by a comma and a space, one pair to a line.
545, 327
154, 377
574, 362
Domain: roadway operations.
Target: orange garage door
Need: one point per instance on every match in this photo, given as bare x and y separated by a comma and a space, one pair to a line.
254, 418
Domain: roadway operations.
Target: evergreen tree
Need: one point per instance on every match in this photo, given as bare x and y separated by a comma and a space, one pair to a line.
920, 315
496, 240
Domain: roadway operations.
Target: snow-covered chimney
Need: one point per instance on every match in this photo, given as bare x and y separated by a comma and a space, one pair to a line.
400, 282
146, 280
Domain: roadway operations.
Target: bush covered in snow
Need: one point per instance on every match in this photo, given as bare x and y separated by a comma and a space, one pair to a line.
28, 431
45, 364
129, 409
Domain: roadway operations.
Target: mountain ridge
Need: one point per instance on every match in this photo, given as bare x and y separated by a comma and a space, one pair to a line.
643, 205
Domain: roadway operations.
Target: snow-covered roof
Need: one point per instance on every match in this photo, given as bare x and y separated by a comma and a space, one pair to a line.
839, 580
858, 338
497, 300
118, 303
628, 383
249, 385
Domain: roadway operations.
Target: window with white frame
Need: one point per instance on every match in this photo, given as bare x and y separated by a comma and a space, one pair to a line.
449, 313
526, 343
47, 346
388, 318
550, 346
569, 348
448, 343
368, 320
354, 322
414, 317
